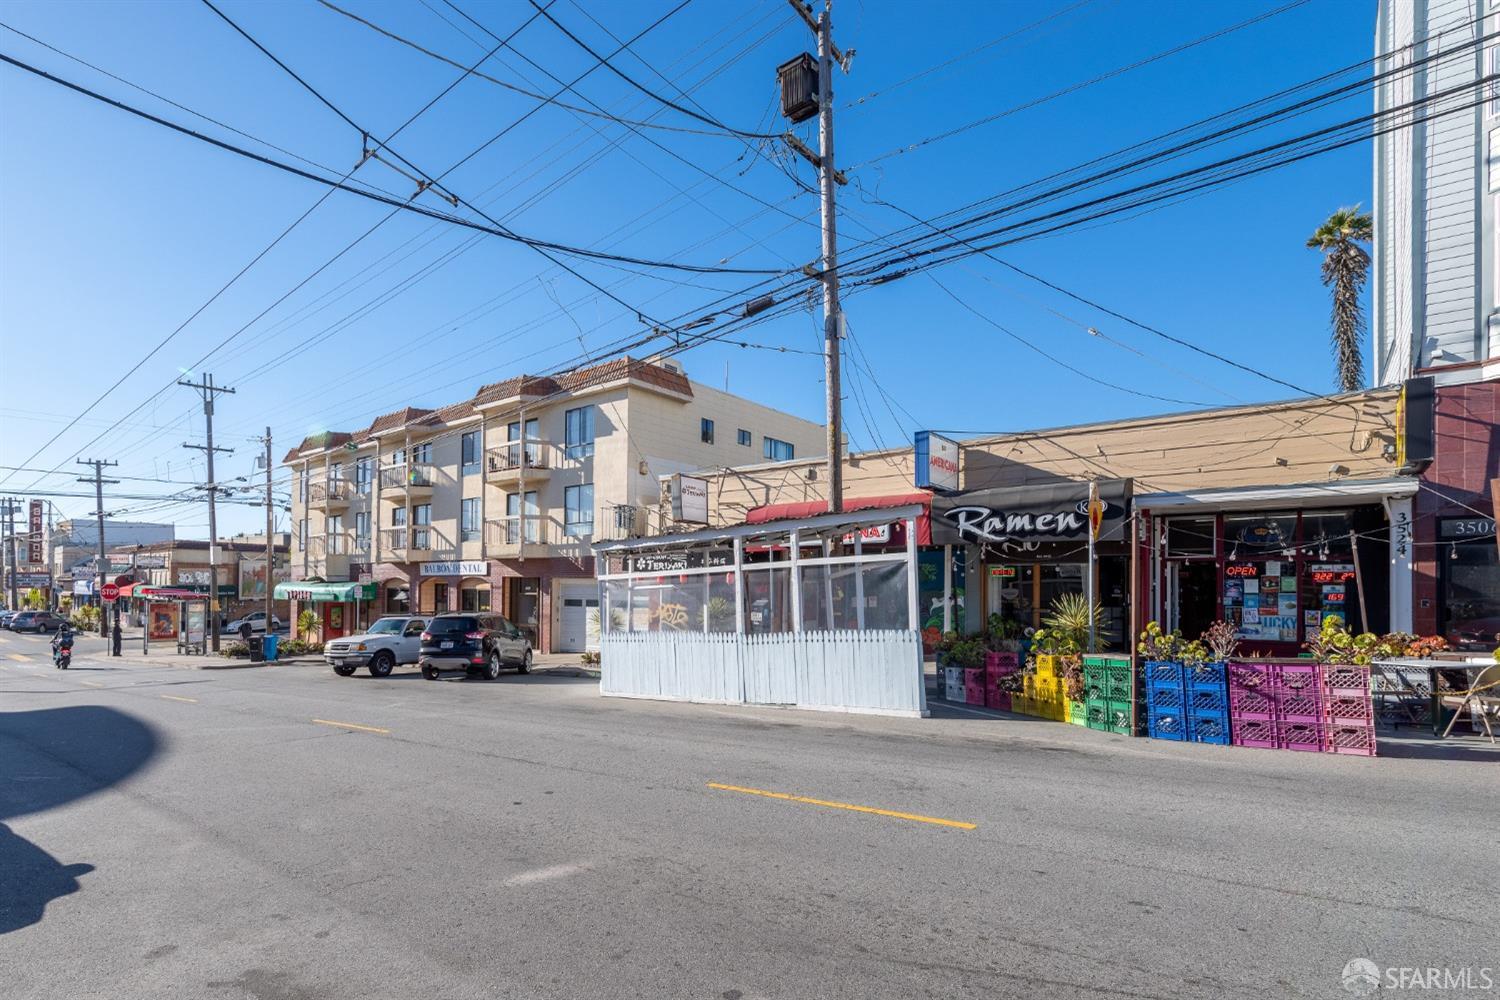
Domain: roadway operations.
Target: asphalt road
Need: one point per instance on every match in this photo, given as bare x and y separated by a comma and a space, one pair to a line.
201, 834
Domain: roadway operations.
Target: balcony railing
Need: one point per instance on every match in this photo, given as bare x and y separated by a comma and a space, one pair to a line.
333, 493
519, 535
406, 478
509, 461
416, 541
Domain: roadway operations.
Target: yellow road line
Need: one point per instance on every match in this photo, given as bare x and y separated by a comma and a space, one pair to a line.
93, 684
19, 658
173, 697
350, 725
958, 824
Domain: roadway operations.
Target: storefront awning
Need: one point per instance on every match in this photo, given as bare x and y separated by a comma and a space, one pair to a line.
1050, 512
791, 511
317, 590
1335, 493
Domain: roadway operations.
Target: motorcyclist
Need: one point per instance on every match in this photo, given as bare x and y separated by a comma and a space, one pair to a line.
61, 639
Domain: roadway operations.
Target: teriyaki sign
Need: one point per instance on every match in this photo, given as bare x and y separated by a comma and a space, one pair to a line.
1026, 513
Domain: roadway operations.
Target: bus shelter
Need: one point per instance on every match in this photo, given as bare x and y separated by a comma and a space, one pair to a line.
818, 612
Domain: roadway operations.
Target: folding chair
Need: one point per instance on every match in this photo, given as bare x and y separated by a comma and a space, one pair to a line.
1484, 697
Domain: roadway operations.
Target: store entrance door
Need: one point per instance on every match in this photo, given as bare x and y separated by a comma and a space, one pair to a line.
1192, 591
526, 606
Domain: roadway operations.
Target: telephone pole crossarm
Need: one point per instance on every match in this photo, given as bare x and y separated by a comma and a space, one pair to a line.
209, 391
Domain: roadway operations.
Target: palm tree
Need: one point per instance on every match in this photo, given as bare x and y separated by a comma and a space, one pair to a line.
1346, 265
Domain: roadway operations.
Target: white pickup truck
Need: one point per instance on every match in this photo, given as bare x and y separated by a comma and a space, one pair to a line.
389, 641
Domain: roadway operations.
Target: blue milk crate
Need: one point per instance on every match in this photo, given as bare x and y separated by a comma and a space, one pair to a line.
1205, 675
1166, 698
1208, 727
1161, 672
1207, 699
1166, 725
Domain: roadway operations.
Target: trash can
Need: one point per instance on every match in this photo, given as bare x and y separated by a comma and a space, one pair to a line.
257, 649
270, 640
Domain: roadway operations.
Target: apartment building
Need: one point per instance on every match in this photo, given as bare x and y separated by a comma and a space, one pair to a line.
491, 504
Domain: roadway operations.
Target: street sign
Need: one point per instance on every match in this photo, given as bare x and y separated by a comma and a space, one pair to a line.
109, 592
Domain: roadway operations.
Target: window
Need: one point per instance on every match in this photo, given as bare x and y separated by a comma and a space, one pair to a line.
1190, 536
1492, 106
421, 517
336, 472
421, 453
364, 474
706, 430
468, 525
513, 433
579, 432
302, 486
440, 597
398, 457
362, 531
518, 528
421, 514
469, 445
779, 451
335, 534
743, 436
474, 598
397, 600
398, 517
578, 510
302, 534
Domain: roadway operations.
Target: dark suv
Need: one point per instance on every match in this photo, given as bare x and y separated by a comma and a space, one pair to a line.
474, 643
36, 621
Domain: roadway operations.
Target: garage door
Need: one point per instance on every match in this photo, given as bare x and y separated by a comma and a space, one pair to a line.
580, 618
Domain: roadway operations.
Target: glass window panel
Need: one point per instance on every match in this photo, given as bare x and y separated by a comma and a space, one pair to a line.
829, 597
1325, 536
1190, 536
885, 592
720, 608
616, 616
768, 600
1258, 533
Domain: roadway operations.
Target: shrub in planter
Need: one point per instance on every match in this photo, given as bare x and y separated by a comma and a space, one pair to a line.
589, 659
235, 651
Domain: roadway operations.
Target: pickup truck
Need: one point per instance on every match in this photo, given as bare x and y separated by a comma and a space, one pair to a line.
389, 641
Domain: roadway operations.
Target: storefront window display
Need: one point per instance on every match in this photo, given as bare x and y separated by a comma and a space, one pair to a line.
930, 594
1469, 581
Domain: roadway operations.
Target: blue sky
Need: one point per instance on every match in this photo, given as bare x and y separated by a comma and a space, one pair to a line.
113, 230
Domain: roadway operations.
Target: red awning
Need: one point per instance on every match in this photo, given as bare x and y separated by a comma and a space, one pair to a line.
811, 508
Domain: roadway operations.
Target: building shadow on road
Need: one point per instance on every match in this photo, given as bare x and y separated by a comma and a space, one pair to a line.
49, 758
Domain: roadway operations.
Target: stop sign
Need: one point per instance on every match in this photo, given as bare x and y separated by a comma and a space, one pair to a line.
109, 592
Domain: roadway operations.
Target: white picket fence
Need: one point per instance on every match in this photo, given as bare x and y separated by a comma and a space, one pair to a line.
872, 671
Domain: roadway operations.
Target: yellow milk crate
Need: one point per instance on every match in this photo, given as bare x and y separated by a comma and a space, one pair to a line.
1047, 666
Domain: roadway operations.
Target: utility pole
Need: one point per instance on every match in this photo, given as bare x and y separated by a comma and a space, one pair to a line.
828, 176
10, 551
270, 543
208, 391
101, 563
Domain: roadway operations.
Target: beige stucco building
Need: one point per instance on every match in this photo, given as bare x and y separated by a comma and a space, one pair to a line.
492, 503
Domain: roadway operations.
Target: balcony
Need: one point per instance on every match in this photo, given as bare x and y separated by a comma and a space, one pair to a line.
328, 555
332, 495
518, 537
414, 479
413, 544
507, 464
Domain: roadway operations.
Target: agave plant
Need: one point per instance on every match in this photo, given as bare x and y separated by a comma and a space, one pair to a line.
1069, 621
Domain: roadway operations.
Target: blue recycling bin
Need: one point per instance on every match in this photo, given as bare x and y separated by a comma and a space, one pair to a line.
271, 641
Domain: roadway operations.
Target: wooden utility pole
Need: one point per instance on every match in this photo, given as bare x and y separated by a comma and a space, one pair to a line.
270, 537
101, 564
208, 391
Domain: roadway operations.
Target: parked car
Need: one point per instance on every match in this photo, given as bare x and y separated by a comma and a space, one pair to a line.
255, 621
390, 640
6, 617
37, 621
474, 643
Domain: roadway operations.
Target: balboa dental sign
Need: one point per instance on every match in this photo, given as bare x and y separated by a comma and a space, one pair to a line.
1027, 514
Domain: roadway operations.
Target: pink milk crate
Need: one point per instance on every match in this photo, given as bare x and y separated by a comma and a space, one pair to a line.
1002, 662
1340, 681
1297, 677
1357, 711
1305, 736
1357, 740
1253, 733
1251, 692
1299, 704
974, 694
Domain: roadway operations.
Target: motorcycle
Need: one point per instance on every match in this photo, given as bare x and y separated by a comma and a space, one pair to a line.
62, 649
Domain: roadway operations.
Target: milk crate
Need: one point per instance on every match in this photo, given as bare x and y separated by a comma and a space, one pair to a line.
1204, 675
998, 700
1355, 740
1250, 677
1356, 711
1161, 672
953, 675
1001, 662
1077, 713
1160, 697
1208, 699
1307, 736
1047, 666
1253, 733
1208, 727
1340, 681
954, 692
1299, 705
1109, 676
1297, 677
1166, 725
